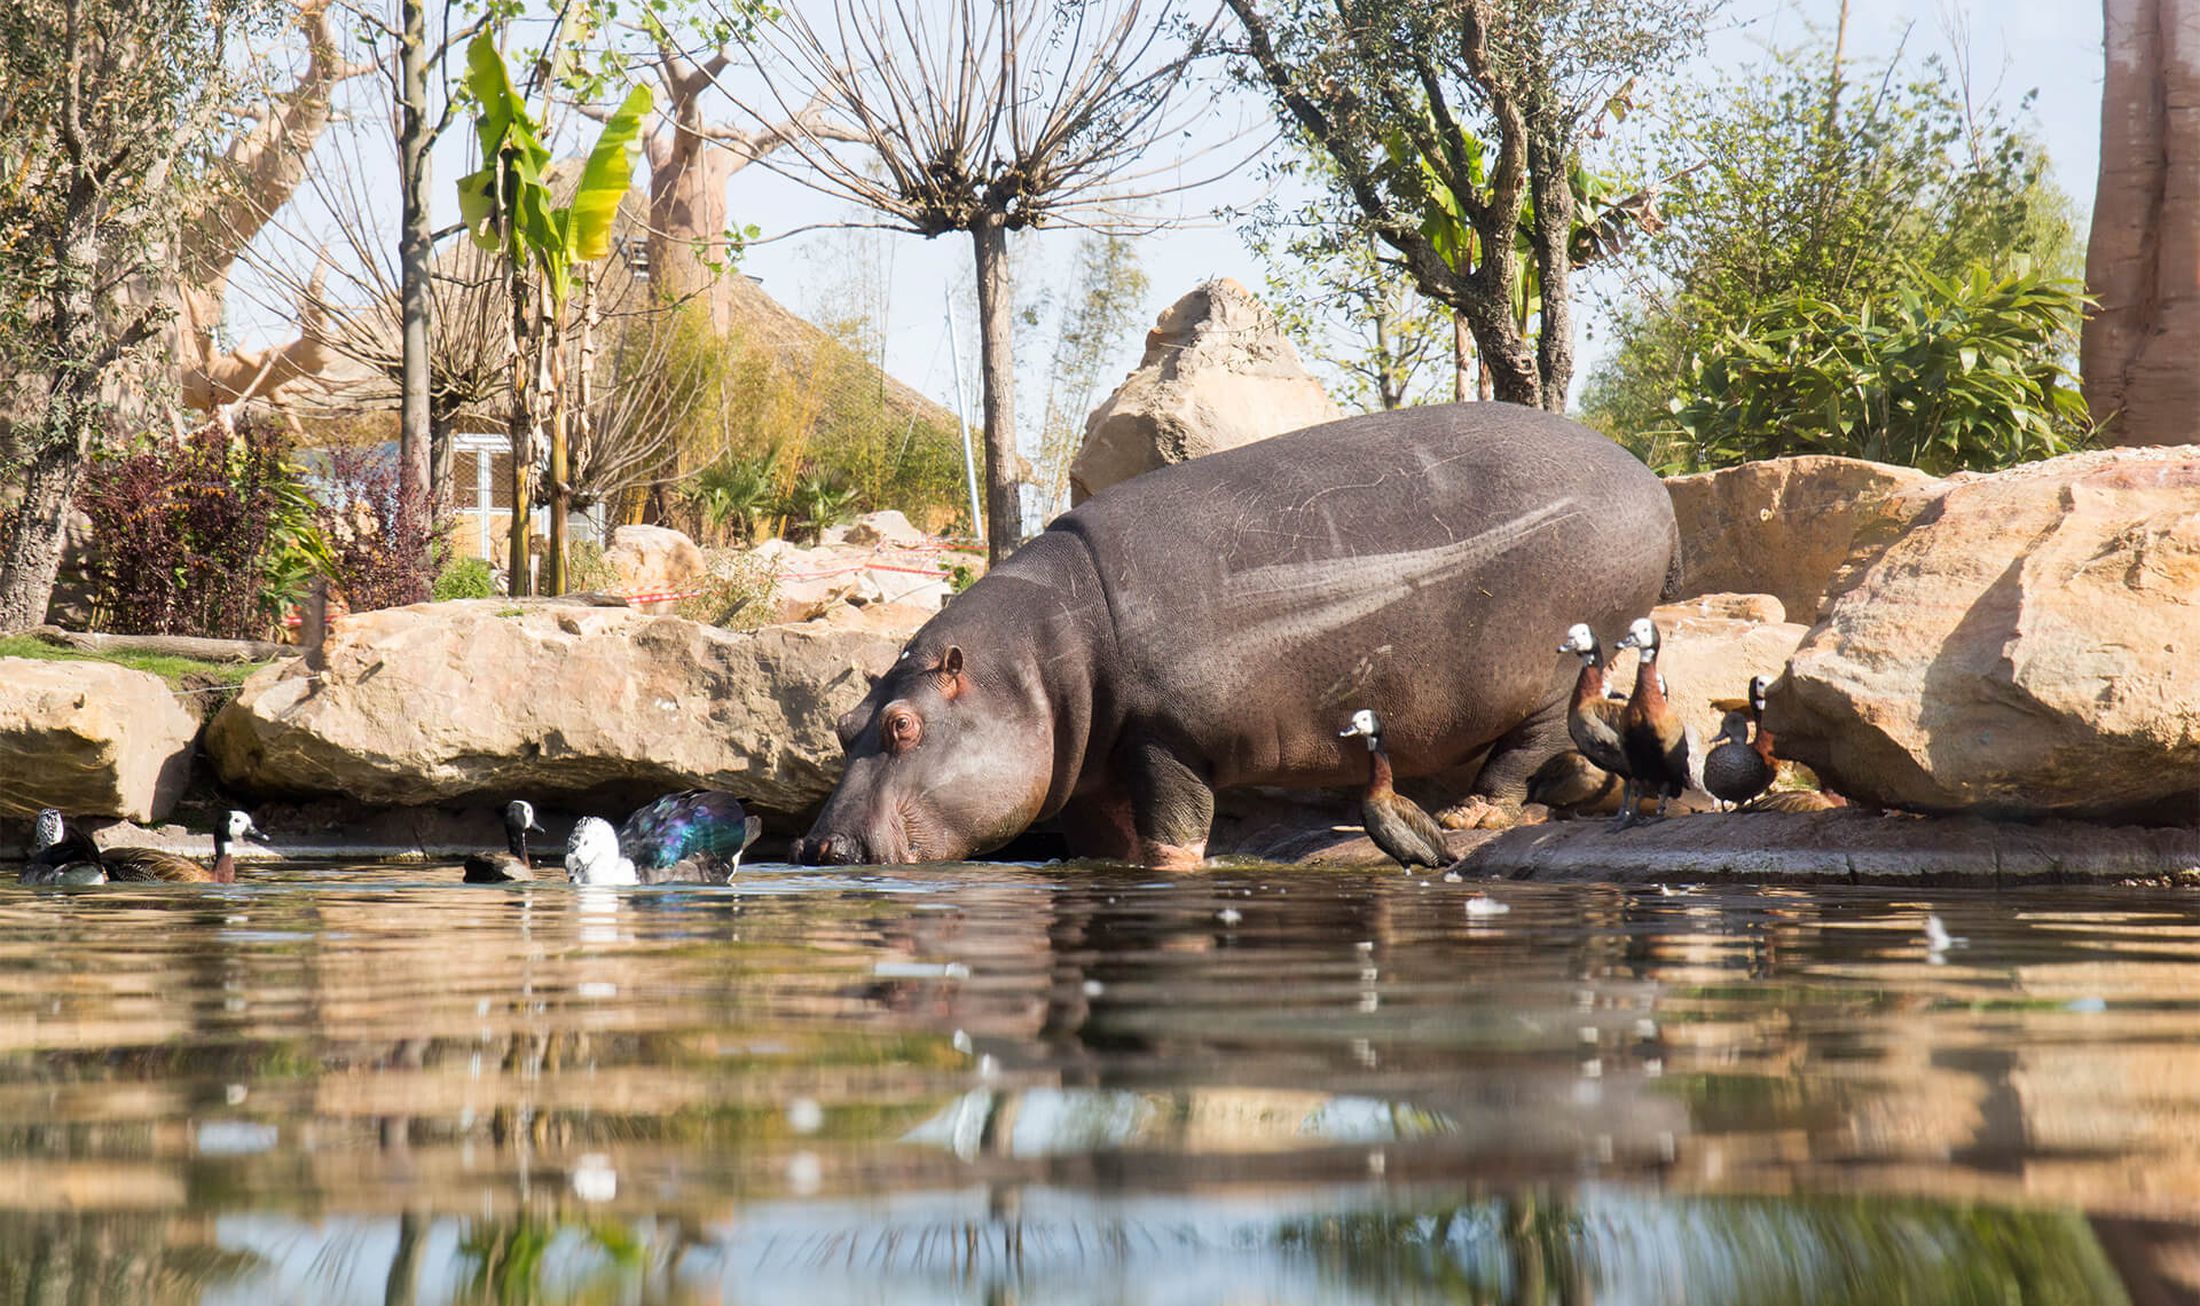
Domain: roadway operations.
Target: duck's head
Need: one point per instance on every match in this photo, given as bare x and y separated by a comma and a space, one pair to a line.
592, 854
237, 825
1734, 726
1757, 687
46, 831
1581, 641
1641, 634
1364, 725
519, 818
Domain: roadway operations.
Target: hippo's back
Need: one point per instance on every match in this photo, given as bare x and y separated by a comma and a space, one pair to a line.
1424, 562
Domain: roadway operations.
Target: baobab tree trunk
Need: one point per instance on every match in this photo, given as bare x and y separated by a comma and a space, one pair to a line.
997, 378
2142, 265
64, 433
415, 249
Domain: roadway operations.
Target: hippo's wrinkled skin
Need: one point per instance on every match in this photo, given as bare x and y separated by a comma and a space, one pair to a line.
1213, 625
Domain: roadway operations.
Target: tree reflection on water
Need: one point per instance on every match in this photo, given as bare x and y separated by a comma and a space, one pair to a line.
1067, 1086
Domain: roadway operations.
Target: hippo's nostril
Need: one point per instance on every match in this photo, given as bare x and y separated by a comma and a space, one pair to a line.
837, 850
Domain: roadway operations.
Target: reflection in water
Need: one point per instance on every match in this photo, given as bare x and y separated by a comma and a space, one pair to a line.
1003, 1084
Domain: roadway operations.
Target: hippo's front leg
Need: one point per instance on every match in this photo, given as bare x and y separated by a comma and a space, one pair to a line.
1172, 806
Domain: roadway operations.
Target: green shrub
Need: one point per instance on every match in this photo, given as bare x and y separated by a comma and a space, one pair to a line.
736, 593
1946, 374
465, 578
587, 570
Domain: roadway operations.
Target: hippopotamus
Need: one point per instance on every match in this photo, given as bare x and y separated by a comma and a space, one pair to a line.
1214, 624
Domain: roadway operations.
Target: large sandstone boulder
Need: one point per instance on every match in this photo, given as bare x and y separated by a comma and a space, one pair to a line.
92, 739
655, 560
2027, 648
813, 583
491, 699
1785, 526
1218, 373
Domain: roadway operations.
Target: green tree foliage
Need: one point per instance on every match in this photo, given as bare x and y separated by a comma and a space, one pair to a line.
1454, 128
1946, 374
1806, 198
108, 116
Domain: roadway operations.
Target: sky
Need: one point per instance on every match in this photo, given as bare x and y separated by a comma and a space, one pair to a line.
916, 288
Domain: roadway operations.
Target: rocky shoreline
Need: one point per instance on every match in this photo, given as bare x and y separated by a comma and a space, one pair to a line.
2011, 646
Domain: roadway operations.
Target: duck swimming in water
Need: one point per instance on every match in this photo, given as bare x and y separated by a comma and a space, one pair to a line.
688, 838
1395, 822
73, 852
1651, 734
61, 856
511, 866
1739, 768
1593, 718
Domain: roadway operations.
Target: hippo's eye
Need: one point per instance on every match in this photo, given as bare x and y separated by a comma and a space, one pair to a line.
899, 730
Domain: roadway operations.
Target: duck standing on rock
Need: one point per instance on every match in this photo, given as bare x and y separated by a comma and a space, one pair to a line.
1595, 720
73, 854
1739, 768
513, 865
695, 837
1651, 733
1395, 822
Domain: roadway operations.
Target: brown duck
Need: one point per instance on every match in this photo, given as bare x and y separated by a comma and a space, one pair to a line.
1395, 822
1739, 768
1571, 784
1593, 718
150, 865
1651, 733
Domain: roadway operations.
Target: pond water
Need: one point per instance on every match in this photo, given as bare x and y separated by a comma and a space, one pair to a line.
1060, 1085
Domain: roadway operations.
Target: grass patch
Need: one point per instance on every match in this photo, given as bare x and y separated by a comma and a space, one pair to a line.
180, 673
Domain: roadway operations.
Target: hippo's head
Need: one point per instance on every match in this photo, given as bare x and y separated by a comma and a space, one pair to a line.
946, 757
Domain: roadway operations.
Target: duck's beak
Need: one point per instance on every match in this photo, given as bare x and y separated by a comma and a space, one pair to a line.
253, 830
535, 827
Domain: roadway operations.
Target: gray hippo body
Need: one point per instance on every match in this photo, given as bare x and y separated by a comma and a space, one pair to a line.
1214, 624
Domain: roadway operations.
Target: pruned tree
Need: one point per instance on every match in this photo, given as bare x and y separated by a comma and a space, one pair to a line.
1455, 127
981, 117
2142, 266
107, 111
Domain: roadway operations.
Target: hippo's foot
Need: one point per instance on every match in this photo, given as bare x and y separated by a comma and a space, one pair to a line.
1475, 812
1173, 857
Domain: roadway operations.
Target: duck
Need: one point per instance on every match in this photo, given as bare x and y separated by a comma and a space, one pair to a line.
1594, 718
1569, 783
61, 856
511, 866
1397, 824
73, 851
1739, 768
696, 837
1651, 733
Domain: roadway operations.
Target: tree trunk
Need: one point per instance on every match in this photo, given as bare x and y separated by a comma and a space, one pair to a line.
1554, 226
34, 548
1462, 360
415, 248
2143, 257
520, 427
997, 379
64, 435
560, 493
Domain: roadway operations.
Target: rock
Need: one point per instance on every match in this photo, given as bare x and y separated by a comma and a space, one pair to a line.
2025, 649
92, 739
655, 560
1734, 607
1785, 526
889, 528
1846, 846
813, 583
1218, 373
494, 699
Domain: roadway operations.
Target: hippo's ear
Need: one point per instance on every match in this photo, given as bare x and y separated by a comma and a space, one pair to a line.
951, 672
871, 678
